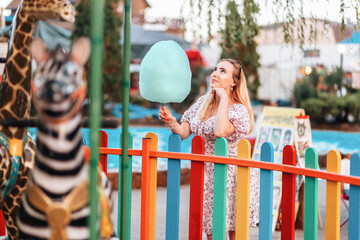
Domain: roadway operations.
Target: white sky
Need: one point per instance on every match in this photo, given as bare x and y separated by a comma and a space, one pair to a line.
171, 8
4, 3
322, 9
328, 9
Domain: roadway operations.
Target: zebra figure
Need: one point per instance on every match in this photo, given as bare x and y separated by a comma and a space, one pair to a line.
55, 205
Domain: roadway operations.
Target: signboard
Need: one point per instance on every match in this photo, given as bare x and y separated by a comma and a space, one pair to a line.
303, 138
276, 127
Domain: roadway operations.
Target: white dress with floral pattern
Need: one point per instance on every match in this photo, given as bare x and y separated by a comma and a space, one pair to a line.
239, 117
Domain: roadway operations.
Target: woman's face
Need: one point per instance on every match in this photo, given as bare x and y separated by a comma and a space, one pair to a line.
222, 77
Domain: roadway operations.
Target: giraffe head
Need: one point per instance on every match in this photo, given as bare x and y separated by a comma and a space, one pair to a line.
58, 86
49, 9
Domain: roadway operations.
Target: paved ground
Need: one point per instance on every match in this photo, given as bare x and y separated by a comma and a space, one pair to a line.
184, 211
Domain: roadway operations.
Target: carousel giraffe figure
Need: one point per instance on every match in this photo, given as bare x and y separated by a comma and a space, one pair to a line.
17, 149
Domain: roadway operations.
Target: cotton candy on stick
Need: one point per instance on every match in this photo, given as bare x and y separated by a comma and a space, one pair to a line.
165, 74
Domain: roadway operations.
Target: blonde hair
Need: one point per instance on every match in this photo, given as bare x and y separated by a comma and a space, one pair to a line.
240, 94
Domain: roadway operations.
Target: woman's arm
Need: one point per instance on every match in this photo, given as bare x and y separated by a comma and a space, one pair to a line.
182, 129
223, 127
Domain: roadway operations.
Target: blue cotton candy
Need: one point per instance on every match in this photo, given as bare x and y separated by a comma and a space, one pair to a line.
165, 74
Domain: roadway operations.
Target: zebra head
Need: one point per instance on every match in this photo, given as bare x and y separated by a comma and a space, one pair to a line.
59, 87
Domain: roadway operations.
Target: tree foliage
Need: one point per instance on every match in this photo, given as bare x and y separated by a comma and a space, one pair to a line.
318, 94
290, 15
334, 80
238, 40
112, 58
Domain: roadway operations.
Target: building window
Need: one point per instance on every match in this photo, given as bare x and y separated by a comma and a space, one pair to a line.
312, 53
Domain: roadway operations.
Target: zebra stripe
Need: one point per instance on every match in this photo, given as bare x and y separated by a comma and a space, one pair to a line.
63, 144
60, 172
58, 184
73, 134
30, 209
52, 153
47, 131
56, 171
58, 164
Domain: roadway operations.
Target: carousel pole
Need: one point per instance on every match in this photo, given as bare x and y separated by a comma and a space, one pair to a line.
124, 220
95, 70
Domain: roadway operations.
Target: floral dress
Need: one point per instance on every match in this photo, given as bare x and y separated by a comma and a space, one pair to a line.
239, 117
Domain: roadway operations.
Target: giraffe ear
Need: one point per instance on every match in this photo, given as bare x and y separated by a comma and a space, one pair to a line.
39, 50
80, 51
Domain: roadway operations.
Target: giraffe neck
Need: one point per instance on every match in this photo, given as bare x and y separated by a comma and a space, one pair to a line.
15, 87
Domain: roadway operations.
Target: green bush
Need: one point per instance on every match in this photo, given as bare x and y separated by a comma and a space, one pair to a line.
317, 94
333, 80
304, 90
314, 107
353, 105
333, 105
327, 105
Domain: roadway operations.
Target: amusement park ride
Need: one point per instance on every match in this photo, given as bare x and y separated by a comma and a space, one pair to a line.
58, 186
17, 152
18, 149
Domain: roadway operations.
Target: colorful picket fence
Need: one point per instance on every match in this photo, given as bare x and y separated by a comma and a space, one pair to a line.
150, 153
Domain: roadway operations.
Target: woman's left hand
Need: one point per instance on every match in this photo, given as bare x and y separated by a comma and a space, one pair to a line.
220, 92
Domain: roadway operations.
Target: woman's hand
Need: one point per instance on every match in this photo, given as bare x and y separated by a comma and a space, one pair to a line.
220, 92
166, 117
223, 127
182, 129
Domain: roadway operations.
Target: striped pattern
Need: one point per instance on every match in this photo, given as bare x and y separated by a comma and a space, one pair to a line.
59, 167
59, 161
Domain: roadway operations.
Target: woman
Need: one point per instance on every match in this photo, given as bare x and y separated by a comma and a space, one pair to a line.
224, 111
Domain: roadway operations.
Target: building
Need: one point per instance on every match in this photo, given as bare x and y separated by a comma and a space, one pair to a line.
137, 14
137, 10
282, 65
56, 33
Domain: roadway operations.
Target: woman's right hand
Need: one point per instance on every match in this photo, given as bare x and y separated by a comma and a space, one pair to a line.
183, 129
166, 116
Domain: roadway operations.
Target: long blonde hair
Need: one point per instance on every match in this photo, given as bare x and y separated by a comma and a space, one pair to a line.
240, 94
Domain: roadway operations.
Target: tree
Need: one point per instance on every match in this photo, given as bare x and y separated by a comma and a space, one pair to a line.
334, 79
112, 68
290, 15
238, 40
112, 53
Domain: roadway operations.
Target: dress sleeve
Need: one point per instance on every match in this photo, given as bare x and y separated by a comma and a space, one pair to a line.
239, 117
191, 112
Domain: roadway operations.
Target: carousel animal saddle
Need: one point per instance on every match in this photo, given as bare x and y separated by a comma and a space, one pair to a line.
15, 148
